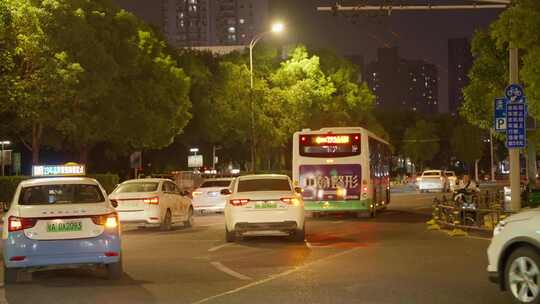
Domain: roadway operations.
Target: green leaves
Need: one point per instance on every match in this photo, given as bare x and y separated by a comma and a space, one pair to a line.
421, 143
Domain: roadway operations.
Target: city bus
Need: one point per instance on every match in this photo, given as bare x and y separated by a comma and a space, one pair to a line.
342, 170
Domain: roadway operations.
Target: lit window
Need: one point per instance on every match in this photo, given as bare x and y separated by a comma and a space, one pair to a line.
241, 21
231, 29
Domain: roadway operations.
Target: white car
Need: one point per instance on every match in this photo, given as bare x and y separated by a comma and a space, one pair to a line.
452, 180
208, 196
152, 202
433, 180
514, 256
60, 222
264, 203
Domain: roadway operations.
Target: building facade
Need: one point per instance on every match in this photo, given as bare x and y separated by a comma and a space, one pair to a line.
213, 22
400, 84
460, 61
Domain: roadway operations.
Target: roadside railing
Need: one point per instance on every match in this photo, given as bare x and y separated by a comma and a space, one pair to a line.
481, 213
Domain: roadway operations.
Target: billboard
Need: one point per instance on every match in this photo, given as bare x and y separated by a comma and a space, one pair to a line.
330, 182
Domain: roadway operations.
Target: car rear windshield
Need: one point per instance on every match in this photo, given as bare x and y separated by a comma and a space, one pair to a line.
432, 174
216, 183
451, 174
136, 187
266, 184
60, 194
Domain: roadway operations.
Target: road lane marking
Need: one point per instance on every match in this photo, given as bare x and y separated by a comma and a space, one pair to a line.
216, 248
210, 225
273, 277
230, 272
479, 238
338, 222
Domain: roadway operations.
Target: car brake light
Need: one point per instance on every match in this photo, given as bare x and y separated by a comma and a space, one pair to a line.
108, 220
290, 201
19, 223
365, 189
152, 200
17, 258
196, 193
239, 202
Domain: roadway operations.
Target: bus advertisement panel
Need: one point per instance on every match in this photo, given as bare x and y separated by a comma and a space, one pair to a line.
331, 183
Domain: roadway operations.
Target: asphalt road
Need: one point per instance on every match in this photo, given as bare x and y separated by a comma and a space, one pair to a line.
390, 259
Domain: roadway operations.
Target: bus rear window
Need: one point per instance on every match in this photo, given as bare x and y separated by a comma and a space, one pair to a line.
329, 145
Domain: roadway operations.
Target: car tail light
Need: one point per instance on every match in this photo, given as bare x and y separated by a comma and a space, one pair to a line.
108, 220
152, 200
111, 254
20, 223
196, 193
239, 202
17, 258
365, 189
290, 201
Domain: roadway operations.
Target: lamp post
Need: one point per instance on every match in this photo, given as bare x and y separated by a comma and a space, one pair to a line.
2, 144
276, 28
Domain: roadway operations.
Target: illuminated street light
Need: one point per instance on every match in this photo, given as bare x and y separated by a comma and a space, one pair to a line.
276, 28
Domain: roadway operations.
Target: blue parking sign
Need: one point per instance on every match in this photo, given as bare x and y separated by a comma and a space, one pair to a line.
499, 109
516, 117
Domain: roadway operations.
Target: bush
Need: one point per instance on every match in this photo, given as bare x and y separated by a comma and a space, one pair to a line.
8, 185
108, 181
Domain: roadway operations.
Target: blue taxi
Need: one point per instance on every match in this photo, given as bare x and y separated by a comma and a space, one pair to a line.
60, 222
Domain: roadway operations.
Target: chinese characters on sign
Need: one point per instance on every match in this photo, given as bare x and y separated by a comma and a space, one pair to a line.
500, 114
515, 126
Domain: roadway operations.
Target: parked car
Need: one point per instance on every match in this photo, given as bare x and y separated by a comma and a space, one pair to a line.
208, 197
152, 202
452, 180
264, 203
514, 256
433, 180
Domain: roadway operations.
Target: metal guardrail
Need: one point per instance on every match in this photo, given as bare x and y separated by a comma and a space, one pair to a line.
481, 213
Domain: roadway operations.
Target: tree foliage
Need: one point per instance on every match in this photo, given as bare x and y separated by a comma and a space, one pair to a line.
467, 143
420, 142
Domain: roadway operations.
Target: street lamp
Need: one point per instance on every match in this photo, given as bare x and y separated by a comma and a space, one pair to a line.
276, 28
2, 144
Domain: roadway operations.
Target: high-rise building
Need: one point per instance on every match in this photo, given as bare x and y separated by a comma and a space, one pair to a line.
460, 61
401, 84
213, 22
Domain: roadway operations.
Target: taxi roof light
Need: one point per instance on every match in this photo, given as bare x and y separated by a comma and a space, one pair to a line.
68, 169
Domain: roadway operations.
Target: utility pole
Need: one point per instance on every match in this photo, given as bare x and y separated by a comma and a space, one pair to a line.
492, 168
515, 187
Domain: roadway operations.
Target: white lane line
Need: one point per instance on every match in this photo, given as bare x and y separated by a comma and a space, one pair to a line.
230, 272
338, 222
479, 238
216, 248
210, 225
277, 276
422, 207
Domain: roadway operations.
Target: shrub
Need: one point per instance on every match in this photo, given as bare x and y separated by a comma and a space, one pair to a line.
8, 185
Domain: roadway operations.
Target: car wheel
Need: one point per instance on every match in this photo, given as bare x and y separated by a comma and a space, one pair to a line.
230, 236
166, 224
522, 275
115, 270
189, 221
10, 275
299, 235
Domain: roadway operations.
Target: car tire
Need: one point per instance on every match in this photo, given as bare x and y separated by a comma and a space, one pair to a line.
10, 275
166, 223
189, 222
230, 236
115, 270
530, 259
299, 235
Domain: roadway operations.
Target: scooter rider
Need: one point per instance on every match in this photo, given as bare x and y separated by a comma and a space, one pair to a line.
467, 189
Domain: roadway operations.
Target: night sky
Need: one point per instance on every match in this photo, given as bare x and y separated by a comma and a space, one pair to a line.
419, 35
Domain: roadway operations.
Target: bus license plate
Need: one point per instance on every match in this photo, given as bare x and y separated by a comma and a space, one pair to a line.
266, 205
64, 227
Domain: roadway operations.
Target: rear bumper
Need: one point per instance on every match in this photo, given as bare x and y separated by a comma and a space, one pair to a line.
350, 205
38, 254
271, 226
150, 217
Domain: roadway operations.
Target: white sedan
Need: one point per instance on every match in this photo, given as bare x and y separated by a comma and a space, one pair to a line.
152, 202
208, 197
433, 180
264, 203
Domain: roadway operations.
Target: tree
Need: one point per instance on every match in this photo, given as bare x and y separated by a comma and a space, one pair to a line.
467, 143
421, 143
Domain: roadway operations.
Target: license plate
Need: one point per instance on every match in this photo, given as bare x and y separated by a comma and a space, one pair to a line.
64, 227
266, 205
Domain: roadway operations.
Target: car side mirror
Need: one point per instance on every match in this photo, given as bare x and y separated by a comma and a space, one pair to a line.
226, 192
298, 190
114, 203
5, 206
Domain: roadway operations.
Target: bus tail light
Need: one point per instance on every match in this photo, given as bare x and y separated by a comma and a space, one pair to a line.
20, 223
239, 202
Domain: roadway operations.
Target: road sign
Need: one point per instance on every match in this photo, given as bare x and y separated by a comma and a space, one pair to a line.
195, 161
514, 93
500, 114
516, 127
